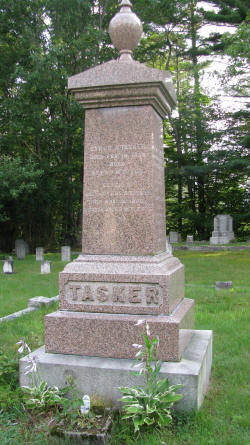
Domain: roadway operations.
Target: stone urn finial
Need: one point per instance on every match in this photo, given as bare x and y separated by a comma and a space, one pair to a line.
125, 30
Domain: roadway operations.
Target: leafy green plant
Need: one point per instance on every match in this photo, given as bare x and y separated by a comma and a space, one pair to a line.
149, 404
43, 397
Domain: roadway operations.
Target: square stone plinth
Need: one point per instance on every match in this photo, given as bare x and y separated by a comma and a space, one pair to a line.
104, 376
122, 284
112, 335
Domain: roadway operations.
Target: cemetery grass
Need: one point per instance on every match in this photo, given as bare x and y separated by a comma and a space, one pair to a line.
224, 416
28, 282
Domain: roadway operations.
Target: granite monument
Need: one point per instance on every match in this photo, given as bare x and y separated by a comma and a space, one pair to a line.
124, 273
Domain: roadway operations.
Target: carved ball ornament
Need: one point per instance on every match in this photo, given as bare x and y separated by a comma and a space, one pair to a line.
125, 30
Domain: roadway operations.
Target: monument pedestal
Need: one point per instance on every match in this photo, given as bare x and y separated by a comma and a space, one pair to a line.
102, 297
104, 376
122, 284
112, 335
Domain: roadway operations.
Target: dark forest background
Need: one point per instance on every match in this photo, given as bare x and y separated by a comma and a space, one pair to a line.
43, 42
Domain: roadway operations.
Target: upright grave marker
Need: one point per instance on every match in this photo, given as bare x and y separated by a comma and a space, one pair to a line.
190, 239
65, 253
8, 266
223, 230
174, 237
20, 249
45, 267
124, 272
39, 254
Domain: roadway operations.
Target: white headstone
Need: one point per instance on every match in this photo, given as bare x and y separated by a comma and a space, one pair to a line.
65, 253
190, 239
45, 267
8, 267
174, 237
223, 230
169, 248
39, 254
20, 249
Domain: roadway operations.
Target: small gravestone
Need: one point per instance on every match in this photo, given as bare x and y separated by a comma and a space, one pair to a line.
20, 249
39, 254
8, 266
223, 285
65, 253
45, 267
174, 237
190, 239
169, 248
223, 230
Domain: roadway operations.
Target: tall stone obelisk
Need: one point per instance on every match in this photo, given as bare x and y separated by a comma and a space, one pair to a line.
124, 272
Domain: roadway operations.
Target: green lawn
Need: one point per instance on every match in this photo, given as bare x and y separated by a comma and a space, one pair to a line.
206, 268
27, 282
224, 418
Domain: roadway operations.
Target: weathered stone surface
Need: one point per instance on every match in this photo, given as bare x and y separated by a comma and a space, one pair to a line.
174, 237
41, 301
17, 314
45, 267
223, 230
125, 30
65, 253
124, 198
104, 376
39, 254
8, 266
124, 83
122, 284
190, 239
112, 335
20, 249
223, 285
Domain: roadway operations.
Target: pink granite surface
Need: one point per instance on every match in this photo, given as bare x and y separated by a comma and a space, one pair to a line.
122, 284
124, 197
102, 81
112, 335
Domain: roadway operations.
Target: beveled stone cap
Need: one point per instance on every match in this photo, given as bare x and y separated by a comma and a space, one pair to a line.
125, 30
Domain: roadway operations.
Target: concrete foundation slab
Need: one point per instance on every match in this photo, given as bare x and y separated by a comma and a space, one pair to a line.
103, 376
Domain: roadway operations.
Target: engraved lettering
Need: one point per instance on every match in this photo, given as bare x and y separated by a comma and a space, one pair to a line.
101, 293
133, 295
108, 294
117, 294
74, 288
87, 295
152, 295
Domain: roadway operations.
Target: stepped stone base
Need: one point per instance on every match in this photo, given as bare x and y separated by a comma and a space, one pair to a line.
112, 335
103, 376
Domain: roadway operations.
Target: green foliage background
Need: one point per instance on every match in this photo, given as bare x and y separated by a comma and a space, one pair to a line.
43, 42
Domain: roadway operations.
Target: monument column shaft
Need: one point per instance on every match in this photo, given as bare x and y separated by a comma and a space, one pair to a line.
124, 193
